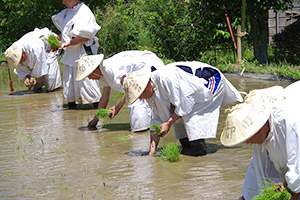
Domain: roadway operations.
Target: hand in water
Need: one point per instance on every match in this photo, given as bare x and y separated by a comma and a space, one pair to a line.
93, 123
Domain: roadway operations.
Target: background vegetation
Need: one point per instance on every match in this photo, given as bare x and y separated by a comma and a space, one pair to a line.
175, 30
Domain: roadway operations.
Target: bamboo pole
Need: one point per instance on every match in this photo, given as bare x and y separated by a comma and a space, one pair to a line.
239, 44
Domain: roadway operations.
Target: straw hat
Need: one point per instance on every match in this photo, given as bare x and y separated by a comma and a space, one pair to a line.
87, 64
135, 83
267, 95
13, 55
243, 121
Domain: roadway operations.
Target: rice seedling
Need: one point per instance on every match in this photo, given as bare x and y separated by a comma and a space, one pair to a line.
170, 152
8, 175
156, 128
122, 138
103, 113
30, 138
275, 191
53, 42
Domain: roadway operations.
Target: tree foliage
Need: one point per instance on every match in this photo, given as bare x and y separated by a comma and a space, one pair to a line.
257, 12
177, 29
21, 16
287, 43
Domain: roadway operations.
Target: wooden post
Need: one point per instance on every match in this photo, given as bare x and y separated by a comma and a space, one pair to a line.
239, 44
243, 20
239, 35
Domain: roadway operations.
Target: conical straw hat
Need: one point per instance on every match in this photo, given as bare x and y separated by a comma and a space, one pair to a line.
87, 64
13, 55
135, 83
266, 96
243, 121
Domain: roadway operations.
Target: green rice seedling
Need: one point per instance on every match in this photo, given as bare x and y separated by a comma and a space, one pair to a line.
53, 42
170, 152
123, 138
275, 191
103, 113
156, 128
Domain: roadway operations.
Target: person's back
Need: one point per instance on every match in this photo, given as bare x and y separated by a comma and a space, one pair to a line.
123, 63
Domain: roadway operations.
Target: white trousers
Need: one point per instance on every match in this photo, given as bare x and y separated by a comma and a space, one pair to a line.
52, 80
81, 92
140, 114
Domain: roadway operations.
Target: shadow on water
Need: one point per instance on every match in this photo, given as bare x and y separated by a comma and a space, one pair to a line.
213, 148
81, 106
117, 126
22, 92
85, 128
110, 127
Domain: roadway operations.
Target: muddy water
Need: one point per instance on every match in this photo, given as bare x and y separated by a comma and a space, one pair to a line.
47, 153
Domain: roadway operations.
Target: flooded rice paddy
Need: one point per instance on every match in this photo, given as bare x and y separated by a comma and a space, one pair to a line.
46, 152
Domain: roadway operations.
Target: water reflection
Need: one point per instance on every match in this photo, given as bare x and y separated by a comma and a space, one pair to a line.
47, 152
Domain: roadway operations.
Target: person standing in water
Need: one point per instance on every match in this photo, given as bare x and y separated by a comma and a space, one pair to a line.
78, 29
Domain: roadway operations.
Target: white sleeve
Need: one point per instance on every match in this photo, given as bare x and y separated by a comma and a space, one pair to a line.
250, 188
261, 170
38, 61
58, 19
183, 89
85, 25
292, 176
21, 73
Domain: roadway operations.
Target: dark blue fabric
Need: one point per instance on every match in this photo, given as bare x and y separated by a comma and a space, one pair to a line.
153, 68
212, 76
185, 68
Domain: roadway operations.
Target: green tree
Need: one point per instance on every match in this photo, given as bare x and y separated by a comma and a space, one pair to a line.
181, 29
122, 28
257, 12
21, 16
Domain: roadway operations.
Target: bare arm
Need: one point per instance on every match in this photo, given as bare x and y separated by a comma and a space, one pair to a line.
165, 127
118, 107
102, 104
104, 98
74, 41
295, 196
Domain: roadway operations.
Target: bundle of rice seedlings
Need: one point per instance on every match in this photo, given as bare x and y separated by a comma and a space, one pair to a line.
275, 191
53, 42
103, 113
30, 84
170, 152
156, 128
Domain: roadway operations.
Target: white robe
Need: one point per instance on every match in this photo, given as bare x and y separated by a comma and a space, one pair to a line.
72, 22
39, 63
119, 65
193, 101
278, 157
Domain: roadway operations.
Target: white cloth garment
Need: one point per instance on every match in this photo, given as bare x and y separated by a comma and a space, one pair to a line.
73, 22
278, 157
119, 65
53, 76
39, 63
192, 100
124, 63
